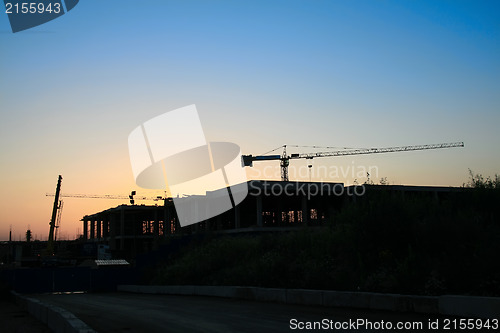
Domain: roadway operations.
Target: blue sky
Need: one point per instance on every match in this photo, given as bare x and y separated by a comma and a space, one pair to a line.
262, 74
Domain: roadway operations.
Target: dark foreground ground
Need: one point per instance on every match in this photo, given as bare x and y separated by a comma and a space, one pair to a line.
126, 312
13, 319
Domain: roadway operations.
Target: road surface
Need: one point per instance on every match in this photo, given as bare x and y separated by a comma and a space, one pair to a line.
128, 312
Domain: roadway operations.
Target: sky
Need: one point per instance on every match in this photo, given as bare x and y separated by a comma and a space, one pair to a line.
262, 74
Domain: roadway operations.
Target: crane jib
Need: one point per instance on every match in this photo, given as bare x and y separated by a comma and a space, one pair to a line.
284, 158
379, 150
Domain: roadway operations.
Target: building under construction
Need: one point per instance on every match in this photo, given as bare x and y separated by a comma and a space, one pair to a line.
269, 205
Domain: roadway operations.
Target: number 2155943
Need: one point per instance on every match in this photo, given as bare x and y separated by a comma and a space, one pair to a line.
32, 8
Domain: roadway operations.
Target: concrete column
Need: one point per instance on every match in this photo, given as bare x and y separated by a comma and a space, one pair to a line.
156, 225
99, 234
259, 211
305, 211
105, 227
122, 228
112, 232
166, 218
279, 214
331, 213
92, 229
108, 225
85, 229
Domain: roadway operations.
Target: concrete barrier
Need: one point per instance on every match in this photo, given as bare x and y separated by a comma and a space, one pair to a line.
56, 318
216, 291
419, 304
470, 306
346, 299
387, 302
179, 290
270, 295
245, 293
129, 288
304, 296
148, 289
465, 306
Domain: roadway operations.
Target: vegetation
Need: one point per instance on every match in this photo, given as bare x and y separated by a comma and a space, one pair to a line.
384, 243
478, 181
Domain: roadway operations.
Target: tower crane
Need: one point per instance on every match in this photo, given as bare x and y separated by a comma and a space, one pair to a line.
284, 158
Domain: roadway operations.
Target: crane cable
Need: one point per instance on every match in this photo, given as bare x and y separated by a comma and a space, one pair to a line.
314, 147
273, 150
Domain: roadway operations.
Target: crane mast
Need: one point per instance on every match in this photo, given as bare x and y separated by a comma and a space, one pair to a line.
284, 163
50, 242
58, 220
285, 159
